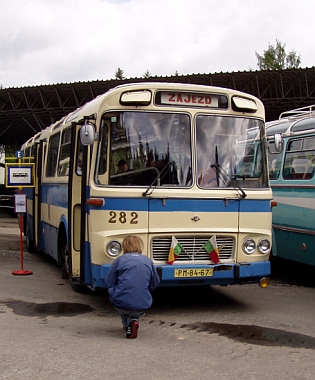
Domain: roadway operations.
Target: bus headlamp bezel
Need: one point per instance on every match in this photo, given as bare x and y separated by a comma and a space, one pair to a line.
113, 248
249, 246
261, 246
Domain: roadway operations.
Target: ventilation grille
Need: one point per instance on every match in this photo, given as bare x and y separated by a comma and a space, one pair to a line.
192, 248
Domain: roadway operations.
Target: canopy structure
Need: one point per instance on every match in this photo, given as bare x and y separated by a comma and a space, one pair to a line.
25, 111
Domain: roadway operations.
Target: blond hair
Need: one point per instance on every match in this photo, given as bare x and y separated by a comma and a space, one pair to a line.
131, 244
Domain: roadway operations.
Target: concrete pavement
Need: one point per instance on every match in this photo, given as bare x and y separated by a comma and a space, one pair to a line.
10, 233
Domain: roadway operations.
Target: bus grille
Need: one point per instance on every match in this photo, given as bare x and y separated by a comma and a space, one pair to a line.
192, 248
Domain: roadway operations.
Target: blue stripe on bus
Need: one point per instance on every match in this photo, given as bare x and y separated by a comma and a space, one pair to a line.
180, 205
128, 204
57, 195
255, 205
193, 205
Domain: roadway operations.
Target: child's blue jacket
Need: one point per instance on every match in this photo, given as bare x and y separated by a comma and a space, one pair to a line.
130, 279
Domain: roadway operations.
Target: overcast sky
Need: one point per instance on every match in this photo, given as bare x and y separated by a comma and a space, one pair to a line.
63, 41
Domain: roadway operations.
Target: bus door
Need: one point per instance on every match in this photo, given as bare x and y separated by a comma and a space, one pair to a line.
37, 194
76, 209
33, 229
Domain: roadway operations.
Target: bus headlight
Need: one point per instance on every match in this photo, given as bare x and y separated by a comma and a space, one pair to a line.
263, 246
113, 248
249, 246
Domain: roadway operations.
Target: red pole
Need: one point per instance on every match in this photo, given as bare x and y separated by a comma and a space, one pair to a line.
21, 242
21, 271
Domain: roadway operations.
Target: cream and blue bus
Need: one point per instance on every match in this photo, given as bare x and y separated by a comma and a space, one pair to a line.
170, 163
292, 177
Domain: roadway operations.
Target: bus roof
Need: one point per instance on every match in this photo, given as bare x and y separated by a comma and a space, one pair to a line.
300, 120
112, 98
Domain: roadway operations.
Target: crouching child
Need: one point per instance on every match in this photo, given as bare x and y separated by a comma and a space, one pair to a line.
130, 280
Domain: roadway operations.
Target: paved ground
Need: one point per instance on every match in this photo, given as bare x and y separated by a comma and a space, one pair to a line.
10, 233
48, 331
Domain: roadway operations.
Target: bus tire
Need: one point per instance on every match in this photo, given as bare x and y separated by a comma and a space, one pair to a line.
78, 288
30, 246
66, 267
274, 263
29, 243
65, 260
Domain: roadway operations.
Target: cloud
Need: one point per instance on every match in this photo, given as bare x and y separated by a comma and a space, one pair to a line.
44, 42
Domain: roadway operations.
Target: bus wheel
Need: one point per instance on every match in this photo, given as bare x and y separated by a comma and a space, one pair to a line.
29, 243
30, 246
274, 263
65, 262
66, 268
79, 288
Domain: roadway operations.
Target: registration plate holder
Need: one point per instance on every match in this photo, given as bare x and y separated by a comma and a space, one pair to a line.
197, 272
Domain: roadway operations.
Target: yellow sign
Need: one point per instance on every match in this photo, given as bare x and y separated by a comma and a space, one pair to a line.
20, 175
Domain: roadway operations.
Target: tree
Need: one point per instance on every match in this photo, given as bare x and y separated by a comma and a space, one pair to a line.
147, 74
119, 74
276, 58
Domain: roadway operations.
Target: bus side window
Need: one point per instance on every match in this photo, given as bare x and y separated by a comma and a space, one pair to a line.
274, 169
309, 146
79, 163
52, 155
274, 160
27, 153
299, 160
102, 154
64, 155
309, 169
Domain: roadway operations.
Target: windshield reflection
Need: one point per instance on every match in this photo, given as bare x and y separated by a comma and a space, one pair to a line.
155, 147
232, 144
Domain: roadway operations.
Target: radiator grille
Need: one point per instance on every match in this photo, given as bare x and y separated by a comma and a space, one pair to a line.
193, 248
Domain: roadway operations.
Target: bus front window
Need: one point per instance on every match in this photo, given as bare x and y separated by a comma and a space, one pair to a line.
229, 148
150, 148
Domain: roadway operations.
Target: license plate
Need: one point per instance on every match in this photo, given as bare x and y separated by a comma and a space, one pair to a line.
198, 272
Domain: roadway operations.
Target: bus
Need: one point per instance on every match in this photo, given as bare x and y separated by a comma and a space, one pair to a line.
170, 163
292, 178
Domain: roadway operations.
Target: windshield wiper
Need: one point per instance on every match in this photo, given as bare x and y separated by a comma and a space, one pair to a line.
225, 177
228, 180
154, 183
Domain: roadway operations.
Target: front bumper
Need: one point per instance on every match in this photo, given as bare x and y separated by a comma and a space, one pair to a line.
221, 274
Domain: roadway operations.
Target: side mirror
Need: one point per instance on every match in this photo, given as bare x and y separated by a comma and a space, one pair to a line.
278, 142
87, 134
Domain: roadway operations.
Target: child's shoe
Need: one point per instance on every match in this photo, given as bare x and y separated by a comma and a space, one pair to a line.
132, 330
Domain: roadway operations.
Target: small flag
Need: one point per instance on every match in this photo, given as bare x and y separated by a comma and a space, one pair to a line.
174, 252
211, 247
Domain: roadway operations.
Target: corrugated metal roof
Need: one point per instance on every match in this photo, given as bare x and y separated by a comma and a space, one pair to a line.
26, 110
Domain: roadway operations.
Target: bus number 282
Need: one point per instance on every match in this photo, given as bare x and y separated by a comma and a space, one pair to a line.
123, 217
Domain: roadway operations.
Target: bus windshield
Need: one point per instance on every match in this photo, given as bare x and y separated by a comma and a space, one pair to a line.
155, 149
149, 148
229, 149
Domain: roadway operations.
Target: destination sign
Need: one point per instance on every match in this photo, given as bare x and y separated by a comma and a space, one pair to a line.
190, 99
